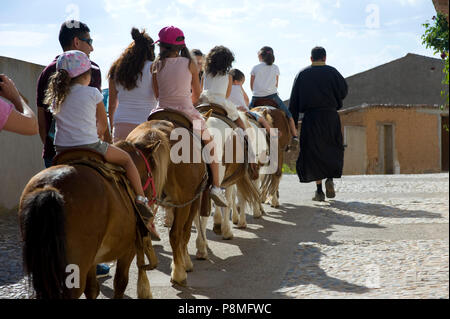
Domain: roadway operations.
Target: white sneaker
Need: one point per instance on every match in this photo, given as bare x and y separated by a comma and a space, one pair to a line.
218, 196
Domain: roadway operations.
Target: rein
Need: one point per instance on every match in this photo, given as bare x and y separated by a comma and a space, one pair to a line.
150, 180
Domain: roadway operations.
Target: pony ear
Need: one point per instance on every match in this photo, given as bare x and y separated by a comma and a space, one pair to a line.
153, 147
265, 113
207, 114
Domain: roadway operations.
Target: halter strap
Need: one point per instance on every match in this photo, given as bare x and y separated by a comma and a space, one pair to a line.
150, 180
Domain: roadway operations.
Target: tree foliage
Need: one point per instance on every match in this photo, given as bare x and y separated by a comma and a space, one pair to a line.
436, 37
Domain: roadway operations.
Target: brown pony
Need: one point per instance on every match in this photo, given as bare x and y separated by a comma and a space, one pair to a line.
277, 119
73, 218
181, 191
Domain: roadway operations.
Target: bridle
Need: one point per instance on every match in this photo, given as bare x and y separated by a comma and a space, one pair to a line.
150, 180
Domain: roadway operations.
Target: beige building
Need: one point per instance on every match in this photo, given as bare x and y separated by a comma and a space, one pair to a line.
20, 156
395, 139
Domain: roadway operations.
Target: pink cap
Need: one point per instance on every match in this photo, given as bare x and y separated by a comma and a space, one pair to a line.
171, 35
74, 62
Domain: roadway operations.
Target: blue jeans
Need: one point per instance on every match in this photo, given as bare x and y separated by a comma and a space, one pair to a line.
276, 99
255, 115
48, 161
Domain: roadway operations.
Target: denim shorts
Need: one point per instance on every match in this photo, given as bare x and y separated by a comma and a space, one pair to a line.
100, 146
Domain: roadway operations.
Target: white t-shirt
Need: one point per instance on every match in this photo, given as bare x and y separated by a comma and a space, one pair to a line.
236, 96
76, 122
135, 105
215, 91
265, 79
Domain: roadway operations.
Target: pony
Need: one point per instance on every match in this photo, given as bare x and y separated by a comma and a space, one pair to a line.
277, 119
234, 176
72, 218
182, 188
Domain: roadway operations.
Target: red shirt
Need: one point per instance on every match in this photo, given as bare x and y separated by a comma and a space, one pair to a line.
96, 81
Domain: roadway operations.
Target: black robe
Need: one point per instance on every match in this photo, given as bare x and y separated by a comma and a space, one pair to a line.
318, 92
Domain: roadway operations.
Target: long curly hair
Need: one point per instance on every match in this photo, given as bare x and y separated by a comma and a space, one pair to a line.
219, 61
58, 89
127, 69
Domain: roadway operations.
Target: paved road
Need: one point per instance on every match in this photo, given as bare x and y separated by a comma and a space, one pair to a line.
381, 237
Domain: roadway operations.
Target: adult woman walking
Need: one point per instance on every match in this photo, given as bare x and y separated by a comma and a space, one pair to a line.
131, 97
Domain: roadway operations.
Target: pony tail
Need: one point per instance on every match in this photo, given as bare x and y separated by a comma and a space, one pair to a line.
184, 52
42, 223
58, 89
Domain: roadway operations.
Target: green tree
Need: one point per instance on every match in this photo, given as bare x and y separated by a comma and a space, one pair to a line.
436, 37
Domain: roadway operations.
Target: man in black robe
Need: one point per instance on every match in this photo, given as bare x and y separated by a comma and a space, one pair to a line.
318, 92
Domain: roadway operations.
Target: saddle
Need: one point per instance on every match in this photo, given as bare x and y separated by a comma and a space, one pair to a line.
264, 102
216, 108
174, 116
217, 111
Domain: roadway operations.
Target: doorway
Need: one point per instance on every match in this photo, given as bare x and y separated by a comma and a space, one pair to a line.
386, 150
444, 143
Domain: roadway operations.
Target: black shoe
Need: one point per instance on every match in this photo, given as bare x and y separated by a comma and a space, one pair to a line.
319, 197
329, 188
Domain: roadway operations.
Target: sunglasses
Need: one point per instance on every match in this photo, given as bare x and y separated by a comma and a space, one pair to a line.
88, 41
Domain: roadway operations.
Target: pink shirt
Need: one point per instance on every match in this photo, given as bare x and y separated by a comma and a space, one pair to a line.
5, 111
174, 86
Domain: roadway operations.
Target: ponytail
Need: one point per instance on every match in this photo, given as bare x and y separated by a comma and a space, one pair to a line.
57, 91
267, 55
127, 69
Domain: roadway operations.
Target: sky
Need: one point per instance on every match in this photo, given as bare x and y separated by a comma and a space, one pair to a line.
357, 34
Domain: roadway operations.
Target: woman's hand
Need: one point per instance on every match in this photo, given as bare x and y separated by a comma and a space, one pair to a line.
9, 91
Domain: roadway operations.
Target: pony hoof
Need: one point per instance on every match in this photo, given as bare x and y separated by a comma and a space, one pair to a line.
183, 283
229, 237
217, 229
201, 256
242, 226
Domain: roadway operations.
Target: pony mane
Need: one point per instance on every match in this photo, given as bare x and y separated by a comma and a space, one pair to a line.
142, 139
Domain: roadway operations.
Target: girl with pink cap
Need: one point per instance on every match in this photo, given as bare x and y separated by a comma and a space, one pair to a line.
81, 117
177, 86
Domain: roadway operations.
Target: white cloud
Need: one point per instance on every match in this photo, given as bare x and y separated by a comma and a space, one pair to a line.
22, 38
117, 7
189, 3
409, 2
279, 23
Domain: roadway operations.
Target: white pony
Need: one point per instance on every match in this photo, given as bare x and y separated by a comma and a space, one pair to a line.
237, 193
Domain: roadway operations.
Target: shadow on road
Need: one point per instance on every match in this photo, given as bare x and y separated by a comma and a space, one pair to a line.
381, 210
267, 259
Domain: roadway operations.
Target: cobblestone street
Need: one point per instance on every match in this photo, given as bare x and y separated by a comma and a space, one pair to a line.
381, 237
